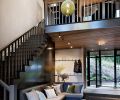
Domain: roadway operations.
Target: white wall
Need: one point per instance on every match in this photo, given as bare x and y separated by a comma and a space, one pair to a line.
68, 66
17, 17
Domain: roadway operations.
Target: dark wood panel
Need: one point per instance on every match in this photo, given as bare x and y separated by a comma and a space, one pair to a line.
88, 38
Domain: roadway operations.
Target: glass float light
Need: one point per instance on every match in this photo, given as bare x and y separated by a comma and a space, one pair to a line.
68, 7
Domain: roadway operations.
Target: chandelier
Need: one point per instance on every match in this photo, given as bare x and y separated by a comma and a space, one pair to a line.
67, 7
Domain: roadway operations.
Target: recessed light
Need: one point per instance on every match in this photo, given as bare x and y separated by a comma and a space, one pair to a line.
59, 36
49, 48
68, 43
71, 47
101, 42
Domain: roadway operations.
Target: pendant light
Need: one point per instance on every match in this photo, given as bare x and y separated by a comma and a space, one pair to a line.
68, 7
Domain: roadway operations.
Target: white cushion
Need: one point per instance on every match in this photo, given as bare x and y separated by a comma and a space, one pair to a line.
32, 95
59, 97
57, 88
50, 93
41, 95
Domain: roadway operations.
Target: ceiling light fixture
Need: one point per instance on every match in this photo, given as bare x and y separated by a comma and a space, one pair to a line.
71, 47
67, 7
68, 43
59, 35
49, 48
101, 42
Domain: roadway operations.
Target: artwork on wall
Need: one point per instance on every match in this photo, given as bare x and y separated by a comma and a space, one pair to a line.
78, 66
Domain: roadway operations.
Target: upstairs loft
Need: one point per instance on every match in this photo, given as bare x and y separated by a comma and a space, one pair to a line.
88, 14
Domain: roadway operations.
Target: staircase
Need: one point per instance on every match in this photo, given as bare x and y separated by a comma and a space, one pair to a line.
15, 58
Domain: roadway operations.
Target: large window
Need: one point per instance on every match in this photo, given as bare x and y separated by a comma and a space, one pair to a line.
92, 71
104, 68
107, 68
118, 70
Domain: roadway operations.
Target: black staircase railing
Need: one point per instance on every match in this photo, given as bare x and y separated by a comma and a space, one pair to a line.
85, 10
15, 56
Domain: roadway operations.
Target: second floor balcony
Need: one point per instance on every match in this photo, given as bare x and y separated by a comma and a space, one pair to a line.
88, 14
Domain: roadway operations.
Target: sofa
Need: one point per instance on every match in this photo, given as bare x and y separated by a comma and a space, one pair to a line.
62, 96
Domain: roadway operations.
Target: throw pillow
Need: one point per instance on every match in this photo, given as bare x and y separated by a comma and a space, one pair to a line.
70, 88
78, 88
65, 86
57, 88
61, 86
32, 95
50, 93
48, 87
41, 95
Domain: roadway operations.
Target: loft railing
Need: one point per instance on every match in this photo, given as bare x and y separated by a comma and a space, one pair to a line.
85, 10
11, 91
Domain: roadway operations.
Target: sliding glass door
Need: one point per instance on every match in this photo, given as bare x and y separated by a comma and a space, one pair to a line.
107, 68
107, 71
118, 70
94, 69
104, 68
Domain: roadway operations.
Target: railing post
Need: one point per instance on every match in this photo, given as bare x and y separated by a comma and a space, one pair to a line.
46, 12
12, 92
73, 16
103, 10
4, 94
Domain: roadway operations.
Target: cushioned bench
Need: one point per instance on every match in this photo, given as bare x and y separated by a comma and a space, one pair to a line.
62, 96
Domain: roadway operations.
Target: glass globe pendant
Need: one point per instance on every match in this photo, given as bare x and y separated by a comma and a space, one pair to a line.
67, 7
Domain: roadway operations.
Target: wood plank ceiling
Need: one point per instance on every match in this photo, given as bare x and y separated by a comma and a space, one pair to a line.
88, 39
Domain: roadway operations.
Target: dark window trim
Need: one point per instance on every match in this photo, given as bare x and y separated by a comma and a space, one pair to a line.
100, 56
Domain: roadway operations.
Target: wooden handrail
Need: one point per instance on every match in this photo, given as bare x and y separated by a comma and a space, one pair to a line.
21, 36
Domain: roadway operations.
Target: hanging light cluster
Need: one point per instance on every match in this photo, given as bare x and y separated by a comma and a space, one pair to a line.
68, 7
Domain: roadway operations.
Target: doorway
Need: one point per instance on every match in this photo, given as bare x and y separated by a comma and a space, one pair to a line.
103, 68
